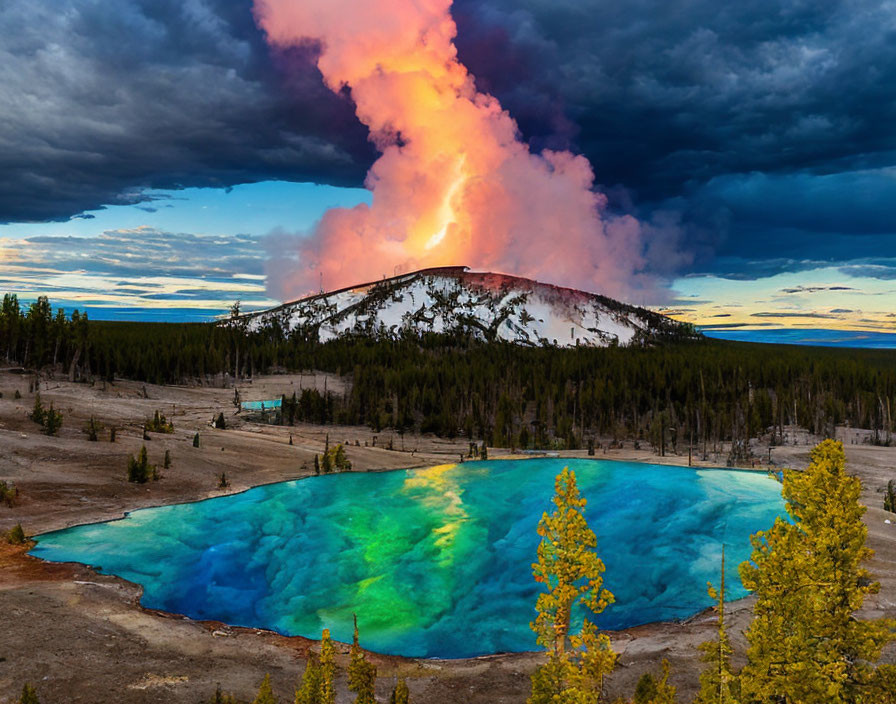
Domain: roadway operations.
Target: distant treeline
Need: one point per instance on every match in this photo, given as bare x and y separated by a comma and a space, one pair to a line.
508, 395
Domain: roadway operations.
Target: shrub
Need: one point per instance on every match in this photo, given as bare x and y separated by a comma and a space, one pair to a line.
29, 695
159, 424
9, 494
16, 536
222, 697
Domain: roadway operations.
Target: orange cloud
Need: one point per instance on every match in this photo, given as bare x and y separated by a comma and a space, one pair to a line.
455, 184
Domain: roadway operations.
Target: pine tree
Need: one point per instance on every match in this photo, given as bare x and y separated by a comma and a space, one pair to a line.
220, 423
37, 413
29, 695
196, 440
309, 689
316, 464
665, 692
327, 463
52, 421
805, 644
139, 468
645, 690
400, 695
361, 673
327, 669
265, 693
167, 463
718, 683
571, 570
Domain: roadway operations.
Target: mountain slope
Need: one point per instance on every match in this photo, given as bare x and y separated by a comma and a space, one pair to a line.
454, 299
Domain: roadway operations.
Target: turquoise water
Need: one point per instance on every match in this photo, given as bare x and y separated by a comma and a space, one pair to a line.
435, 562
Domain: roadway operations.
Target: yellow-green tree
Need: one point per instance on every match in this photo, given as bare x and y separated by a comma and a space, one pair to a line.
308, 691
572, 572
718, 683
327, 669
401, 694
806, 645
361, 672
265, 693
29, 695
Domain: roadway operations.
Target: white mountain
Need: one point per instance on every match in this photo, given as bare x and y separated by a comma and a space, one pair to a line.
455, 299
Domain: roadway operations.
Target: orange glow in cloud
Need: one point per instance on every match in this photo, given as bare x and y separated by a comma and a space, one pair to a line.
454, 184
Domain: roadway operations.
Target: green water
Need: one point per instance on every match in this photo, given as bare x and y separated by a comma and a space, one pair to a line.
435, 562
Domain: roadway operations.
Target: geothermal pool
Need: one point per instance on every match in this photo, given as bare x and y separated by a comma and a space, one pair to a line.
436, 562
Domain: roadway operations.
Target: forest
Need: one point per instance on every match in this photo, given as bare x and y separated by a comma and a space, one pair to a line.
673, 393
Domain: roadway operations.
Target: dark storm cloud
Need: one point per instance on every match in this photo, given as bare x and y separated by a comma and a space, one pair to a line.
759, 133
98, 100
767, 125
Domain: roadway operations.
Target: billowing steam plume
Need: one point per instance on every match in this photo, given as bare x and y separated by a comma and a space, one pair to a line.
455, 184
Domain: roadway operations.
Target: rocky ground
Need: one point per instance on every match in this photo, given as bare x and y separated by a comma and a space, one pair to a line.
82, 637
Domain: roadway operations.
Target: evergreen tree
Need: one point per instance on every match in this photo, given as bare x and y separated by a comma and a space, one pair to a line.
29, 695
222, 482
196, 440
400, 695
806, 645
327, 669
718, 683
316, 464
265, 693
167, 463
220, 423
139, 468
483, 452
890, 497
361, 673
327, 463
37, 413
665, 692
572, 572
91, 429
52, 421
645, 690
309, 691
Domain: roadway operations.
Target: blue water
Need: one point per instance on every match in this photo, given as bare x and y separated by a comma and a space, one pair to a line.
818, 337
435, 562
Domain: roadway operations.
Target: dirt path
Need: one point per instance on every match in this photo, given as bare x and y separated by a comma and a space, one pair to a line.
80, 636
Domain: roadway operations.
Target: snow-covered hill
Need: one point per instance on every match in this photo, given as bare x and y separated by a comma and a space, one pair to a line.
489, 306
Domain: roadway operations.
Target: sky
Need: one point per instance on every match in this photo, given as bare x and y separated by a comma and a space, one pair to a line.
163, 158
